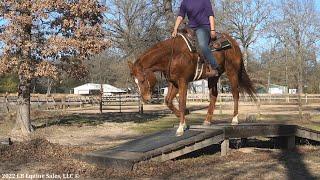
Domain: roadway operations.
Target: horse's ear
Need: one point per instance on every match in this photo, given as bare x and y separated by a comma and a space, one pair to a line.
130, 64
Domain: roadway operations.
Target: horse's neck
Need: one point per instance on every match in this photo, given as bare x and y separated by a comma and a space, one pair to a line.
157, 58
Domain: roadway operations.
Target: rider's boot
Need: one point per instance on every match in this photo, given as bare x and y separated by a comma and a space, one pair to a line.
211, 72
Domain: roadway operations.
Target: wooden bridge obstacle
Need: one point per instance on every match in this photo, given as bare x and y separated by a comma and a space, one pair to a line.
164, 145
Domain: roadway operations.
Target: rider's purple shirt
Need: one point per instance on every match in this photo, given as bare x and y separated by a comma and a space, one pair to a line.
198, 12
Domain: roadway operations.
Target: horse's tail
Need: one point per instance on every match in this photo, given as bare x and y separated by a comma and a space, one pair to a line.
245, 84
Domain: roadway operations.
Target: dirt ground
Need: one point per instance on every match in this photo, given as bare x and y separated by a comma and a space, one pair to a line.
60, 135
39, 157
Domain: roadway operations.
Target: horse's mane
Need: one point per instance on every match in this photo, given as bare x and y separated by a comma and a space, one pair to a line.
160, 46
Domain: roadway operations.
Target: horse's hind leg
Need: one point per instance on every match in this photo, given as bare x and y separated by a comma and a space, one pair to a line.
213, 88
233, 78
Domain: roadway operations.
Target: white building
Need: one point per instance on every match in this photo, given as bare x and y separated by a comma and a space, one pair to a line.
200, 86
277, 89
91, 88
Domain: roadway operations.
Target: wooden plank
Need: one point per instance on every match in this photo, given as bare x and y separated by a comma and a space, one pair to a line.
199, 145
186, 142
156, 140
291, 142
225, 147
124, 156
306, 133
253, 130
287, 142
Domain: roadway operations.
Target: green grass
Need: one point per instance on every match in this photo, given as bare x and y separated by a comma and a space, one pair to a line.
192, 119
169, 121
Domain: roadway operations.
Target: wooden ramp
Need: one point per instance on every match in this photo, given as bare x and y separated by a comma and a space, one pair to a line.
159, 146
164, 145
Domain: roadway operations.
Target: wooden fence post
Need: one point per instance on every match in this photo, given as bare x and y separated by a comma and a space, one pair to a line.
63, 102
7, 102
220, 105
259, 108
120, 102
306, 98
140, 106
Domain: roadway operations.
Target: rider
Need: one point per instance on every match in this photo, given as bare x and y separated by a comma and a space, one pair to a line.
201, 19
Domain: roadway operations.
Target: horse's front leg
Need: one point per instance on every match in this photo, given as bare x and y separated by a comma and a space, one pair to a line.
183, 85
213, 88
172, 92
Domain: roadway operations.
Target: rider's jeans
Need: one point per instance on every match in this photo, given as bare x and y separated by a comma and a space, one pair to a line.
203, 36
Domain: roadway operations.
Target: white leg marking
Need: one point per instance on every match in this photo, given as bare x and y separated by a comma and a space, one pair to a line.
206, 123
235, 120
137, 82
181, 129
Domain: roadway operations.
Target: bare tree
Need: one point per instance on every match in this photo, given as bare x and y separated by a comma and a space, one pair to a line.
297, 28
134, 25
245, 20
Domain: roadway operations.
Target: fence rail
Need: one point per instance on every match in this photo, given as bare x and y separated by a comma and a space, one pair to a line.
64, 101
134, 98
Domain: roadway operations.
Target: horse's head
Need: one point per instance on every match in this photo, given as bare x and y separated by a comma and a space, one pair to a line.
145, 80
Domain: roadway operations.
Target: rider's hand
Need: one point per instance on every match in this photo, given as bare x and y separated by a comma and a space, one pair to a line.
213, 34
174, 33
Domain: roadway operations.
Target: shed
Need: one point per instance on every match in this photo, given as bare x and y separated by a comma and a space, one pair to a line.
277, 89
91, 88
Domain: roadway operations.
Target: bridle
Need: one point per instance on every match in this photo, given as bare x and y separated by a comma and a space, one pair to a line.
145, 78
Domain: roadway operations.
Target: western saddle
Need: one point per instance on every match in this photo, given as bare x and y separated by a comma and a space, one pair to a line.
218, 44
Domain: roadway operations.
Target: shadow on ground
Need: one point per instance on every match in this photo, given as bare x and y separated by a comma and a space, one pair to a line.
96, 119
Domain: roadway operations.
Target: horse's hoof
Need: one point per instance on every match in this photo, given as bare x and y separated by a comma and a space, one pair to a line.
178, 134
206, 123
234, 123
235, 120
181, 129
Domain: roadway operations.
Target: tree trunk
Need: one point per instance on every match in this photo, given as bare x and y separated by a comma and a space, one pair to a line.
23, 123
245, 57
300, 82
100, 98
49, 87
168, 12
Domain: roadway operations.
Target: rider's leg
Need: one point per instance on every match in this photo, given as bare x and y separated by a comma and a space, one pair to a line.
203, 37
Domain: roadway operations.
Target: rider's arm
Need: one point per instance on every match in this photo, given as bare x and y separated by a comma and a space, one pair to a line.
209, 11
212, 23
181, 15
178, 22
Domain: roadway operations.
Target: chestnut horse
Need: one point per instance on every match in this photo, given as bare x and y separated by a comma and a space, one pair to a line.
173, 58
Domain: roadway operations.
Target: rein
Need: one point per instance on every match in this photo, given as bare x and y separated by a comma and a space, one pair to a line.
145, 77
170, 59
